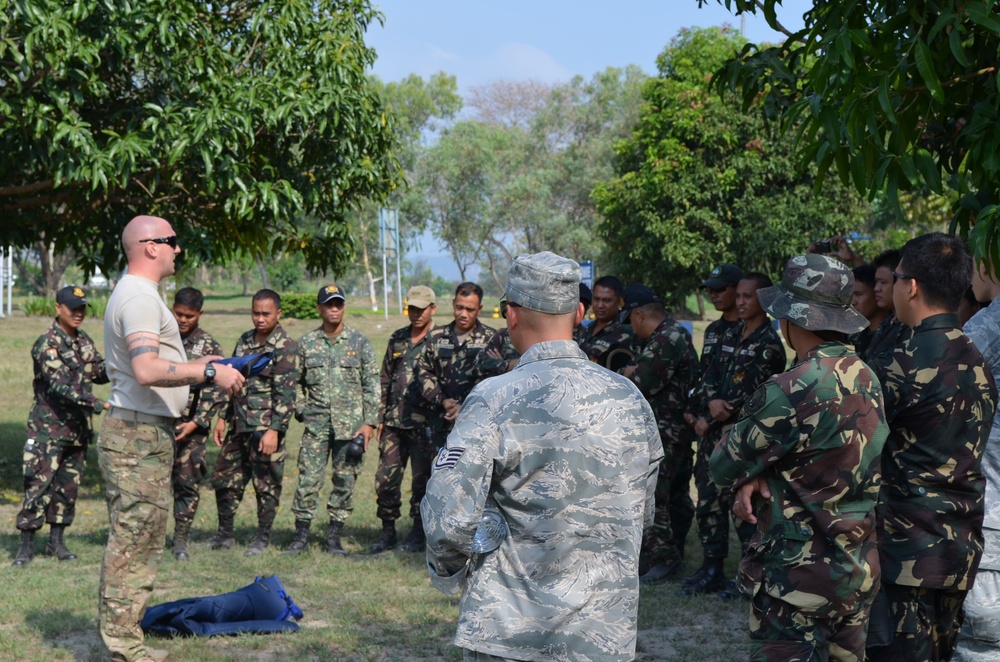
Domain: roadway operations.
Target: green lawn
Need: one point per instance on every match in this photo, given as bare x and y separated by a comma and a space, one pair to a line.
360, 607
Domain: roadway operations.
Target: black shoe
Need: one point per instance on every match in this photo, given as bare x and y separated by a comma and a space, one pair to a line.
713, 581
386, 541
333, 534
26, 551
731, 591
261, 541
662, 572
55, 546
301, 541
696, 577
416, 541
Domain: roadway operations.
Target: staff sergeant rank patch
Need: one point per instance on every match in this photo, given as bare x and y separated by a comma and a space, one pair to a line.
448, 458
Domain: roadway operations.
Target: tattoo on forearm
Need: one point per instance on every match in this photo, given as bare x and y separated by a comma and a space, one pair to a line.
142, 349
172, 369
167, 383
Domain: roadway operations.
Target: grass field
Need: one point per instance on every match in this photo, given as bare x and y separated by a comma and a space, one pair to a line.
361, 607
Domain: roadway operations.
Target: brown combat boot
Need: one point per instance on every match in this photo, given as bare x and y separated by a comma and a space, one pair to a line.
55, 547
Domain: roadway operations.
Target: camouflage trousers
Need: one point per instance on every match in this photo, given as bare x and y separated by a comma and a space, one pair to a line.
780, 632
476, 656
313, 453
52, 471
241, 461
394, 449
674, 510
135, 460
714, 507
189, 472
927, 623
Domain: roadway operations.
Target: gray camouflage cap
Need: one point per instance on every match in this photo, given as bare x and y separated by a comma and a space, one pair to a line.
815, 293
545, 282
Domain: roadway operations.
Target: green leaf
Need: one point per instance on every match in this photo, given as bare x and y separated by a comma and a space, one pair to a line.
925, 65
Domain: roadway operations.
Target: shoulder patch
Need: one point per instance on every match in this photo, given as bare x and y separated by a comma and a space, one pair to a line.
51, 354
448, 458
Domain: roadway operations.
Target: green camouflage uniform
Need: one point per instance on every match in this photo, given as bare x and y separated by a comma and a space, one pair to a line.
59, 430
940, 398
753, 361
266, 403
718, 348
189, 456
404, 431
612, 347
567, 454
815, 433
446, 369
665, 370
338, 394
890, 333
486, 365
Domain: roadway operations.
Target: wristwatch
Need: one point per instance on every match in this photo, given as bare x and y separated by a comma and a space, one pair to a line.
209, 373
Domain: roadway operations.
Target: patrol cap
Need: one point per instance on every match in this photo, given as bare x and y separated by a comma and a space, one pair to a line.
723, 276
420, 296
329, 293
72, 297
636, 295
545, 282
815, 293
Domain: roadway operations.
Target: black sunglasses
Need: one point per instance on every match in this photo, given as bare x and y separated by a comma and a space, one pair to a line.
169, 241
504, 304
895, 275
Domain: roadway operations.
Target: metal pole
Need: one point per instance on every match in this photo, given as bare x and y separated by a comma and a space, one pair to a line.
385, 281
399, 278
10, 280
3, 270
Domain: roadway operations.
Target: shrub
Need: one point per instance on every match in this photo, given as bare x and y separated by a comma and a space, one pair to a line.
39, 307
299, 306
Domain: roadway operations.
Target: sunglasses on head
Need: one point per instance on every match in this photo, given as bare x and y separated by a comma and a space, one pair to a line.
169, 241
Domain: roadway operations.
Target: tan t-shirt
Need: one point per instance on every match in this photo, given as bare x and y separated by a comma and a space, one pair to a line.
135, 306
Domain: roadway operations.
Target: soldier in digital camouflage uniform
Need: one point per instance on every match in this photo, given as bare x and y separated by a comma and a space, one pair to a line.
607, 341
665, 371
252, 429
804, 460
66, 364
150, 377
536, 506
445, 374
757, 355
338, 400
192, 430
940, 400
403, 423
718, 349
979, 640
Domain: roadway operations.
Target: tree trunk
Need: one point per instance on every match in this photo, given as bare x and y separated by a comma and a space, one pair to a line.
701, 305
366, 263
265, 282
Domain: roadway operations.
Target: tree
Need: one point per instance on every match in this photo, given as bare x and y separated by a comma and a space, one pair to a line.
232, 120
700, 183
896, 94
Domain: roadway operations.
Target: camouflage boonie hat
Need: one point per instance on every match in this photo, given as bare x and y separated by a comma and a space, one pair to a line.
545, 282
815, 293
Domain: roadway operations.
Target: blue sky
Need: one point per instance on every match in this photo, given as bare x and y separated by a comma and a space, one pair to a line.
542, 40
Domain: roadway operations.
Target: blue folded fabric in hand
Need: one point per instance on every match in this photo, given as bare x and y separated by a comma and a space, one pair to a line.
248, 364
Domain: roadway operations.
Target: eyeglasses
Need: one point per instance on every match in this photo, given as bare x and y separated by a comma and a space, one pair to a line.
169, 241
504, 304
895, 275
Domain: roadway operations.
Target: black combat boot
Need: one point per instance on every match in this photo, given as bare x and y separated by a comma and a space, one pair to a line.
333, 539
260, 541
388, 538
26, 551
56, 547
416, 541
224, 538
301, 541
712, 580
181, 532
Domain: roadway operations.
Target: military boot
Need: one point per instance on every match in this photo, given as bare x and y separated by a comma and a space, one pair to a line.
26, 551
56, 547
712, 580
181, 532
333, 539
416, 541
260, 541
300, 542
224, 538
388, 538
